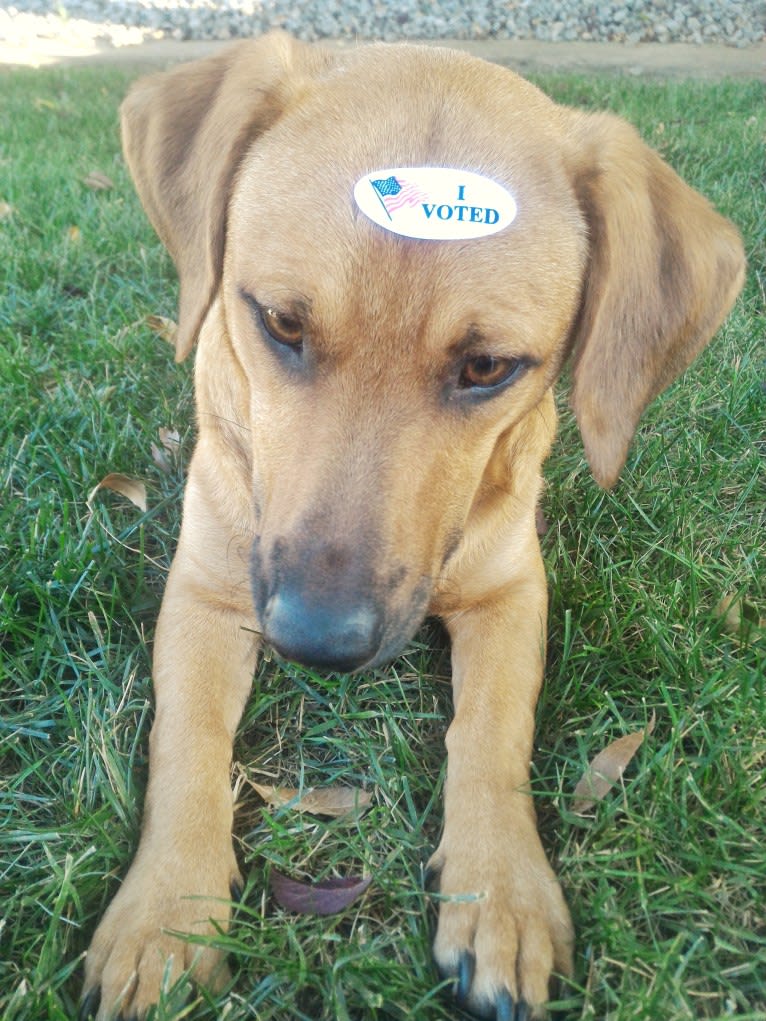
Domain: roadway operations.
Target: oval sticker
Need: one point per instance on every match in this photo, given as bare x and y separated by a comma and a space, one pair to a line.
435, 203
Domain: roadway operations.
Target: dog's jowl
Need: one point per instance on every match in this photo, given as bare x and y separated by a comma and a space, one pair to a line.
386, 254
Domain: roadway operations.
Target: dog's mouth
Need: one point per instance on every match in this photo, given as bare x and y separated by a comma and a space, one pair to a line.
339, 621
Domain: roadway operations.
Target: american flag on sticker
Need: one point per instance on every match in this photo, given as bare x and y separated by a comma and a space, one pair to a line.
394, 194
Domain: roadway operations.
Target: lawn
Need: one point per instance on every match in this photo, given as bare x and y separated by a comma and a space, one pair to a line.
666, 877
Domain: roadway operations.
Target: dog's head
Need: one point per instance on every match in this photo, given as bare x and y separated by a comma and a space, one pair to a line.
398, 388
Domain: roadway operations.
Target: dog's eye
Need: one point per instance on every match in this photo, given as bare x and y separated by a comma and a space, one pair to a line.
485, 371
283, 328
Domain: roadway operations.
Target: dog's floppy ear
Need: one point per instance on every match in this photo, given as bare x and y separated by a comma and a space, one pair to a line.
184, 132
664, 269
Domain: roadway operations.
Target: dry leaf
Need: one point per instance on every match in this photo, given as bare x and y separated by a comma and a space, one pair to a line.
160, 458
6, 210
74, 234
133, 489
163, 327
607, 767
98, 181
170, 439
738, 614
332, 801
327, 897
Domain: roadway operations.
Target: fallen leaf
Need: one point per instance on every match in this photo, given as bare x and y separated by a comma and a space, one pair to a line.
6, 210
606, 768
133, 489
74, 234
161, 459
98, 181
163, 327
738, 614
332, 801
326, 897
170, 439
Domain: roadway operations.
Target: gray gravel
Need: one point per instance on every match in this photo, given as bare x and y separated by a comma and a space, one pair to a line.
120, 22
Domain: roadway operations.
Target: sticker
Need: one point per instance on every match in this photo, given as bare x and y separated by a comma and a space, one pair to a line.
435, 203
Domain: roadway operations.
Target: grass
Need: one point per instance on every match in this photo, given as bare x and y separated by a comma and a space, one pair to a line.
667, 881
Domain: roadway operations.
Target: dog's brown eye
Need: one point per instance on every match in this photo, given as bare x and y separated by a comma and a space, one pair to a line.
285, 329
485, 371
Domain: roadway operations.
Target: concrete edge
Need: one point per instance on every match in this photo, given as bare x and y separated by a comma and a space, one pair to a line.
668, 60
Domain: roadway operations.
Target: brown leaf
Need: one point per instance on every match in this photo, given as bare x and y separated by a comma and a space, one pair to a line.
74, 234
163, 327
171, 442
170, 439
331, 801
133, 489
160, 458
739, 615
326, 897
607, 767
98, 181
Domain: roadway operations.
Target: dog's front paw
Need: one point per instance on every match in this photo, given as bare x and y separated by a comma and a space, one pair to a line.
137, 951
504, 928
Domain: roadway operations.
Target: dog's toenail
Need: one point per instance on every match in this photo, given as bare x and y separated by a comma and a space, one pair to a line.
465, 972
431, 878
90, 1004
506, 1008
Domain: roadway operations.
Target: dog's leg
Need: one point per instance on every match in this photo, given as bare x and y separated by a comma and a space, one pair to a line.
503, 924
185, 872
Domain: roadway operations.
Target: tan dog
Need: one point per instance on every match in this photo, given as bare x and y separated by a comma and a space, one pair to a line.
373, 413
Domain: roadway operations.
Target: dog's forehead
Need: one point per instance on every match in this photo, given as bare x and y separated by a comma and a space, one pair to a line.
398, 112
296, 226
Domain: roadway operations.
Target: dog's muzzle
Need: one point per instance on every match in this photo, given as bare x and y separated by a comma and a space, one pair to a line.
332, 636
321, 604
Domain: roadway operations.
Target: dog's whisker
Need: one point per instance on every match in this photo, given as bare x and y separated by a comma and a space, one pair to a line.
226, 421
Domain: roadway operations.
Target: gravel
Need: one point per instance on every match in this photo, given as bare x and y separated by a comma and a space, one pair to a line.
123, 22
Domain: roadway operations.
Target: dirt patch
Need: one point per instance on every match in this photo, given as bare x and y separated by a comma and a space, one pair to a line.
666, 60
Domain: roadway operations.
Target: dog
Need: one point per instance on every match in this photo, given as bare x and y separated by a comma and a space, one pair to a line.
386, 255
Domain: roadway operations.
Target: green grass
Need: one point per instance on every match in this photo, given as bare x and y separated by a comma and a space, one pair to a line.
667, 882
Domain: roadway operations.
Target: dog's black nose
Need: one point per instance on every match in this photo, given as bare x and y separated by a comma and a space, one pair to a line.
332, 637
